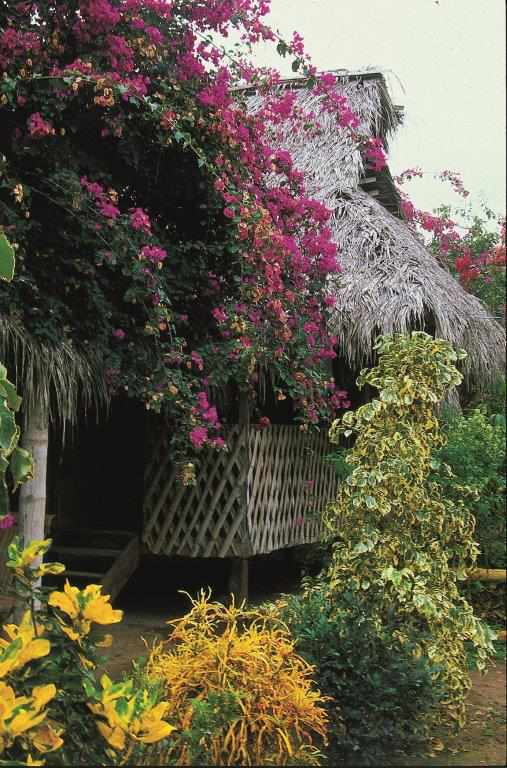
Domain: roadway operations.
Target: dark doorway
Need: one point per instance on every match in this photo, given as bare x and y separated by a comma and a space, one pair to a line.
96, 479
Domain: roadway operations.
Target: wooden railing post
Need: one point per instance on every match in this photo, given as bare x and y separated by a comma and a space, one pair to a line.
32, 495
238, 575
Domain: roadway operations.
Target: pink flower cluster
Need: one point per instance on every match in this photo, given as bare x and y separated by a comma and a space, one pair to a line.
140, 220
455, 181
207, 413
153, 253
38, 127
7, 521
279, 238
374, 153
16, 42
103, 201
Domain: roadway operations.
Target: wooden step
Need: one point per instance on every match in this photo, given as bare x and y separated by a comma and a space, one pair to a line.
83, 575
62, 549
118, 561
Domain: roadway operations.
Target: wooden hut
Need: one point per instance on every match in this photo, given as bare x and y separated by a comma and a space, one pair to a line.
265, 493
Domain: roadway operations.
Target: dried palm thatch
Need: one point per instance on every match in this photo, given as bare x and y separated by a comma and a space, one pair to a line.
64, 381
330, 158
392, 283
390, 280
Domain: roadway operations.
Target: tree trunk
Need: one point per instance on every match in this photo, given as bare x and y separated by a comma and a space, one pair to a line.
32, 495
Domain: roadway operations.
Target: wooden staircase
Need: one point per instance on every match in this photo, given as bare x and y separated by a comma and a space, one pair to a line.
94, 556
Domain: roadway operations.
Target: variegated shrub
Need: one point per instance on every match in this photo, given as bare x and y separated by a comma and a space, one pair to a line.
400, 545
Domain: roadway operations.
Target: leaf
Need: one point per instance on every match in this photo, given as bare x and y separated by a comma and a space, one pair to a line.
4, 495
8, 429
7, 260
8, 391
21, 466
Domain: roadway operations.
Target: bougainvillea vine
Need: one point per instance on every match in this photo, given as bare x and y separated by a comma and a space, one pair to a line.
133, 186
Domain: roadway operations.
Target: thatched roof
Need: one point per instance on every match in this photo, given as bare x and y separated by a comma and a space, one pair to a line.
329, 158
63, 381
390, 280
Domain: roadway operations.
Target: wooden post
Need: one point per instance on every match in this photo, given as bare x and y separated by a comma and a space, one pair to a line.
32, 495
238, 575
488, 574
238, 579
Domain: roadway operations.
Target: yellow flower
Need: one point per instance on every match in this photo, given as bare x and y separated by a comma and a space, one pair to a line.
46, 739
84, 607
74, 636
53, 568
125, 714
30, 761
150, 727
98, 608
115, 737
106, 642
20, 714
66, 601
22, 646
20, 559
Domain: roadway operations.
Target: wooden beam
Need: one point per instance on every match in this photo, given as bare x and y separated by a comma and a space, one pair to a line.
84, 575
122, 569
238, 580
60, 549
488, 574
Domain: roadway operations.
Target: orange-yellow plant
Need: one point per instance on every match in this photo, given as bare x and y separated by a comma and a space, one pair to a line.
247, 655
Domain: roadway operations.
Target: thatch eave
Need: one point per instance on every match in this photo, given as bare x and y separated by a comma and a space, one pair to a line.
390, 282
63, 381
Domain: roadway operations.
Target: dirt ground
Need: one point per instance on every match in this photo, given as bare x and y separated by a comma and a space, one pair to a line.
482, 742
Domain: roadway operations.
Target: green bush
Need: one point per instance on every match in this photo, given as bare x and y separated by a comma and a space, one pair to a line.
475, 452
382, 689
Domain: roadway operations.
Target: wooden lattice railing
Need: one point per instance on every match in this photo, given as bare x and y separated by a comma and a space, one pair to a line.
265, 493
289, 483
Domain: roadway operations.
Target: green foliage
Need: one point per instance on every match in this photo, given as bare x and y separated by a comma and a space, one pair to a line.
382, 689
212, 715
475, 452
400, 545
7, 260
15, 462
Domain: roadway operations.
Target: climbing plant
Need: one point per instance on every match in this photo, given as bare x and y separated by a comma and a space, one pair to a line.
15, 462
133, 190
401, 546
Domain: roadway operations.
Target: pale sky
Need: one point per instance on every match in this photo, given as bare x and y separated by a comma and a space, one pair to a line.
444, 62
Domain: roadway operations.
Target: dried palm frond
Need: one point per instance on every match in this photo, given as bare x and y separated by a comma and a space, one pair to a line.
65, 381
392, 283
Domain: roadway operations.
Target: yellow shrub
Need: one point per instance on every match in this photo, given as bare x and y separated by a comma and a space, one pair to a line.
246, 657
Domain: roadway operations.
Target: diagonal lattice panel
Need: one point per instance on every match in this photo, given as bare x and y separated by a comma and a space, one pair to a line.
204, 520
289, 483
